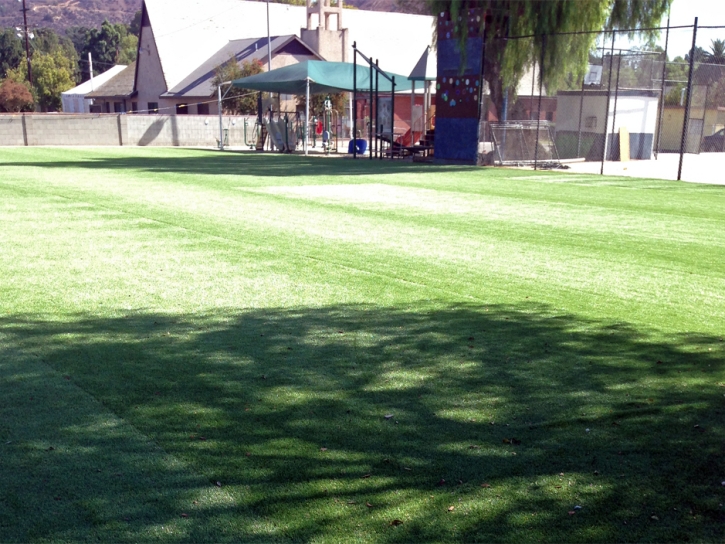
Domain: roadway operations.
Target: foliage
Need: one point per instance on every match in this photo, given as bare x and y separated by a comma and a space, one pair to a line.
506, 61
134, 27
106, 45
128, 49
237, 101
317, 103
15, 97
47, 41
12, 51
52, 74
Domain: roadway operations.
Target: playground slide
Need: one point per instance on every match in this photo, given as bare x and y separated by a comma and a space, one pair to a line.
275, 134
291, 136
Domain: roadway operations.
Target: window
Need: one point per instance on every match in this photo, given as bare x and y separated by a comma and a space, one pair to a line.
108, 107
182, 109
119, 107
202, 109
549, 115
153, 107
134, 107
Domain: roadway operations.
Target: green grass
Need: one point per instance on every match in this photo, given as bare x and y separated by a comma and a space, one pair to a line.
198, 346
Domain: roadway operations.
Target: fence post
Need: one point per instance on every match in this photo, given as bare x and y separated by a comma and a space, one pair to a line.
609, 96
538, 113
688, 100
616, 98
661, 115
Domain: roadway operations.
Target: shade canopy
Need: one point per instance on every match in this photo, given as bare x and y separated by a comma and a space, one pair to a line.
323, 77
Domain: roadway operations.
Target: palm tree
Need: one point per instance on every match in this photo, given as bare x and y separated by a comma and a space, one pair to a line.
716, 55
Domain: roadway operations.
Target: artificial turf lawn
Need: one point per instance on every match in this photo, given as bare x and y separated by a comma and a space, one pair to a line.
202, 346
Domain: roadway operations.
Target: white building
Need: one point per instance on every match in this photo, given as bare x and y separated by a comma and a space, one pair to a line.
75, 101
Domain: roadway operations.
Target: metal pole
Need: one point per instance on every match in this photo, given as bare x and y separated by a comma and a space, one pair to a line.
481, 110
269, 43
370, 123
354, 100
412, 107
616, 99
90, 68
27, 42
688, 100
307, 112
579, 136
392, 119
378, 131
661, 113
221, 126
538, 113
609, 96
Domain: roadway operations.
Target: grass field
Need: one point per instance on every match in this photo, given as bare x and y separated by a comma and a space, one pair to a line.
207, 347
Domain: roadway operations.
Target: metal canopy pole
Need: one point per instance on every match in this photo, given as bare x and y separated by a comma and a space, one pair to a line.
354, 100
688, 102
392, 120
412, 106
307, 113
221, 126
378, 133
370, 108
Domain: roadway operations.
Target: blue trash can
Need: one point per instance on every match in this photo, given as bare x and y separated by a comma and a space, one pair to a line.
362, 146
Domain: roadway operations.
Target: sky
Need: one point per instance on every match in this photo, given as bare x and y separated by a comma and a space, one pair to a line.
683, 12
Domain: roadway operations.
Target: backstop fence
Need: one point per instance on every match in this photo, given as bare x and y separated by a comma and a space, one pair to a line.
637, 110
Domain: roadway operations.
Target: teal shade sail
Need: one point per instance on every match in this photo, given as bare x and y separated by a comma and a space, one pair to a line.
324, 77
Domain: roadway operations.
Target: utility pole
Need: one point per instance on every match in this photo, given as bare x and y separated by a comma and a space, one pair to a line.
269, 43
27, 40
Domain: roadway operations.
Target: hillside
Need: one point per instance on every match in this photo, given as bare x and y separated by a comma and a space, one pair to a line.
62, 14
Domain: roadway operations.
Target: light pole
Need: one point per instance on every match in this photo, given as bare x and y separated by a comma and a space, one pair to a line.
28, 36
269, 43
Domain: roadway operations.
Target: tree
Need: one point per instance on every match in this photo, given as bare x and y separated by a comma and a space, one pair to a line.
15, 97
105, 44
49, 42
506, 61
716, 55
12, 52
127, 50
317, 103
52, 74
237, 101
134, 27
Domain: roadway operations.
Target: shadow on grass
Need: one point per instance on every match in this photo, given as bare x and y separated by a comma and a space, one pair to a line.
288, 409
206, 162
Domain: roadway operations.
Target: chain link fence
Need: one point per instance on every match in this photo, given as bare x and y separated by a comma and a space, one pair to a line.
648, 111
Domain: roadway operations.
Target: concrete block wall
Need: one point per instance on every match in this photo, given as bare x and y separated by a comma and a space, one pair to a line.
120, 130
11, 130
184, 130
81, 129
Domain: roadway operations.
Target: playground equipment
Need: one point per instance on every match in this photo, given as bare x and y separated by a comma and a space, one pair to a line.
283, 132
331, 127
379, 132
256, 132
